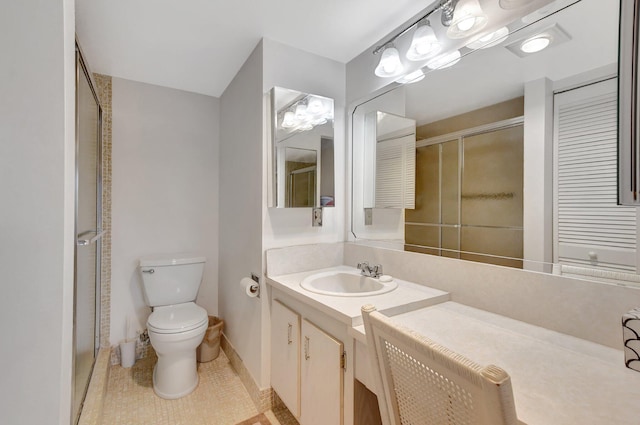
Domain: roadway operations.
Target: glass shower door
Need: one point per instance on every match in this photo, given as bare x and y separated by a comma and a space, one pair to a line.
88, 230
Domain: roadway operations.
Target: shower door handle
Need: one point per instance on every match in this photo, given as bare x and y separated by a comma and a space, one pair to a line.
82, 241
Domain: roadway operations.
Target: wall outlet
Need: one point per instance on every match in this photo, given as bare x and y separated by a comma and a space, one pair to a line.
317, 217
368, 216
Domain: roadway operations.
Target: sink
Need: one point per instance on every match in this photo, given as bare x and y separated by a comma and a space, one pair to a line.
346, 284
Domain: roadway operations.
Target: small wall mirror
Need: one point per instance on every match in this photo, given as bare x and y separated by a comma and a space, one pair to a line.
302, 150
390, 161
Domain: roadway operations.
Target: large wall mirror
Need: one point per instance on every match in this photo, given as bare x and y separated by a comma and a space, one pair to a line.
302, 150
516, 147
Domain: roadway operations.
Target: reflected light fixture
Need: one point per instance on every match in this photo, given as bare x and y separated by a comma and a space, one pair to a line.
468, 19
412, 77
535, 44
424, 42
489, 40
445, 61
390, 64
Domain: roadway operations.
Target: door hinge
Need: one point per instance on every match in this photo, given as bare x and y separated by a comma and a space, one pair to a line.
343, 360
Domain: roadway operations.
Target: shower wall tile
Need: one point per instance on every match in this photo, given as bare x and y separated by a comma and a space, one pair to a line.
103, 83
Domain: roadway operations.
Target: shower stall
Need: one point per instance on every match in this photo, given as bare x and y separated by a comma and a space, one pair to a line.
88, 228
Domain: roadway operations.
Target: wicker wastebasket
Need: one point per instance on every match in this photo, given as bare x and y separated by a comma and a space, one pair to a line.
209, 349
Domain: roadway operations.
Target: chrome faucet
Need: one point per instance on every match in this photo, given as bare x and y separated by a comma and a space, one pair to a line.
370, 271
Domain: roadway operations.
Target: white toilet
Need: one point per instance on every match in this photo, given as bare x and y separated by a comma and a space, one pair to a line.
177, 325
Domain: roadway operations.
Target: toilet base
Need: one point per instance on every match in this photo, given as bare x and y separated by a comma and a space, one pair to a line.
160, 392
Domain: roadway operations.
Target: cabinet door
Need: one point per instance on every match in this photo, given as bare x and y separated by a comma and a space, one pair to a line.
321, 377
285, 356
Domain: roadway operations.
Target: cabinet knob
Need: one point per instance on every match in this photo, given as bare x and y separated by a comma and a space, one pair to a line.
289, 329
306, 348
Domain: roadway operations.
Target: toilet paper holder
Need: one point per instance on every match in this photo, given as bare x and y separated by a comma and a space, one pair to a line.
255, 288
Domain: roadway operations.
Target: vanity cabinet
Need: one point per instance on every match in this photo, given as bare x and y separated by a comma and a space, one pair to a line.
307, 368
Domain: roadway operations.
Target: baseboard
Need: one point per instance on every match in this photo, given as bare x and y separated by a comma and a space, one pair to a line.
261, 398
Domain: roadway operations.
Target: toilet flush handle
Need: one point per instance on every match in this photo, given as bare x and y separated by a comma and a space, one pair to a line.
150, 271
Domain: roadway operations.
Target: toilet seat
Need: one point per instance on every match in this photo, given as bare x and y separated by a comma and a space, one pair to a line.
177, 318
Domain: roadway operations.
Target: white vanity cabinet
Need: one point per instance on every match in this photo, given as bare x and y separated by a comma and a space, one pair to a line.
307, 368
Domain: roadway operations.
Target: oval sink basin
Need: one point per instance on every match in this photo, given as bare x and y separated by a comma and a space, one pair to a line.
345, 284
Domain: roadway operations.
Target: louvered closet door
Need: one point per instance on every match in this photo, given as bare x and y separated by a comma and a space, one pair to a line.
395, 172
590, 228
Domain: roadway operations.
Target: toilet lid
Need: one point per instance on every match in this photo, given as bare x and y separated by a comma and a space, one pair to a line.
177, 318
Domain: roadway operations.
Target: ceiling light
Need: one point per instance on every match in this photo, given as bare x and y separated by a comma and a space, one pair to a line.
468, 19
413, 77
489, 40
301, 111
389, 65
424, 42
445, 61
535, 44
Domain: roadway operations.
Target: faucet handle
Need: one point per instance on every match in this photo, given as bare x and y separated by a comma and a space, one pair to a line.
363, 265
378, 269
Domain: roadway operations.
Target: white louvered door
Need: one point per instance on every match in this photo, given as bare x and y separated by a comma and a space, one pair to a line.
590, 228
395, 172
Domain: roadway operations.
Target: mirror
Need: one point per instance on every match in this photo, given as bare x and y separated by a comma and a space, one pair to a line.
302, 150
510, 169
390, 146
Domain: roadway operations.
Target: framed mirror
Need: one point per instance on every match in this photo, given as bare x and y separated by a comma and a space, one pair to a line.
302, 150
516, 157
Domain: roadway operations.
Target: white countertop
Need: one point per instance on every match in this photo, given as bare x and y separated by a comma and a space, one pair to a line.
557, 379
406, 297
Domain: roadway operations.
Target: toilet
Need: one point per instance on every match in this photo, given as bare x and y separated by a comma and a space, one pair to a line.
177, 325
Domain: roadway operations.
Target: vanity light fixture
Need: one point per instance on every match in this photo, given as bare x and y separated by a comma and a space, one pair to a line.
424, 42
412, 77
445, 61
489, 40
390, 64
468, 19
535, 44
305, 113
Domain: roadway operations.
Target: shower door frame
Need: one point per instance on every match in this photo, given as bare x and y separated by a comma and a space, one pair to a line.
82, 66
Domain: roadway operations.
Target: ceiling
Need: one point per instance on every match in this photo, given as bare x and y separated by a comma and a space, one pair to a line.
199, 45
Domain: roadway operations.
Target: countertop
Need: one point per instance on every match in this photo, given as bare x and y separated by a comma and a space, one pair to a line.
557, 379
406, 297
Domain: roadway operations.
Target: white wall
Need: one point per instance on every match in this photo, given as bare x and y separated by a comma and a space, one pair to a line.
240, 217
37, 155
165, 189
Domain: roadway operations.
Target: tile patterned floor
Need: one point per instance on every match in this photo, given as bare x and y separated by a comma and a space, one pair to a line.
220, 398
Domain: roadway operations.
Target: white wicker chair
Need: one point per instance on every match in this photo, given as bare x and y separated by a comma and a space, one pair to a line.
422, 383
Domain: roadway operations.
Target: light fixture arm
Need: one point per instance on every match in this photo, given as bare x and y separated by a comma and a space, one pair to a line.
447, 7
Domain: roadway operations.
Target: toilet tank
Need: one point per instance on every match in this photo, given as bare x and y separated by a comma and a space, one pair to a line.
171, 279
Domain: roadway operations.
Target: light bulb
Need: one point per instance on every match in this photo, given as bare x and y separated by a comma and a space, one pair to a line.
289, 120
389, 65
315, 106
445, 61
424, 43
535, 44
468, 18
301, 111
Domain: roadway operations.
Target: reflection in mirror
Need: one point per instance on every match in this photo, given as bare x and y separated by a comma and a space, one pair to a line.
516, 152
390, 146
302, 150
